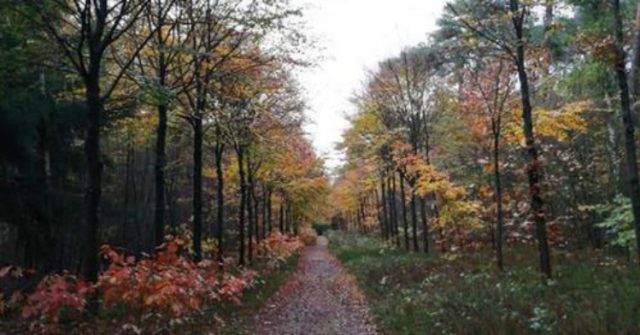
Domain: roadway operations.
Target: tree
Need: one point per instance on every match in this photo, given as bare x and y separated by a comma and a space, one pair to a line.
627, 119
163, 17
490, 22
221, 32
85, 31
489, 90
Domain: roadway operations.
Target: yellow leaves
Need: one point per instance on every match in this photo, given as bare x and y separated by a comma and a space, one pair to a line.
454, 207
209, 172
559, 124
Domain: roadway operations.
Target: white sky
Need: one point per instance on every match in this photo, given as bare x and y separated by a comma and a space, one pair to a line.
354, 35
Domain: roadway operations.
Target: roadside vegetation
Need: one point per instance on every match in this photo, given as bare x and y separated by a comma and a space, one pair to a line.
412, 293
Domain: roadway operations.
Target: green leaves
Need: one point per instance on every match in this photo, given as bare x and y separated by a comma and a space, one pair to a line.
618, 221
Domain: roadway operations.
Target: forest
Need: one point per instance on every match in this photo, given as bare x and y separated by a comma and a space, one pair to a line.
157, 175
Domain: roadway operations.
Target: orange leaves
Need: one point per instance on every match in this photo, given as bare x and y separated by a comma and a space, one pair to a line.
277, 247
233, 287
167, 284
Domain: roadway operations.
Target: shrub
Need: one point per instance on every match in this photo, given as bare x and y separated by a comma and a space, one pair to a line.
56, 294
168, 285
155, 293
277, 248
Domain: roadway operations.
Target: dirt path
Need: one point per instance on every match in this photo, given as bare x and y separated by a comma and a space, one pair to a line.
319, 298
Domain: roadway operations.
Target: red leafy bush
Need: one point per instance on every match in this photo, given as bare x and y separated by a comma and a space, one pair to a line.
168, 284
277, 248
149, 292
54, 294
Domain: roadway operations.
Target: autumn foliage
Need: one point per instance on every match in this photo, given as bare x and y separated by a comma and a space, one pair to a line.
169, 284
150, 290
55, 294
277, 247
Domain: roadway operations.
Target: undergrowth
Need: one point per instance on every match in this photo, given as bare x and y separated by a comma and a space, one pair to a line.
464, 294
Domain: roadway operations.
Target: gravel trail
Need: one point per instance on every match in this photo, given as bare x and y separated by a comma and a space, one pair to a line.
319, 298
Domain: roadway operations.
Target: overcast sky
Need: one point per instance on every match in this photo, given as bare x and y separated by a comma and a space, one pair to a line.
353, 36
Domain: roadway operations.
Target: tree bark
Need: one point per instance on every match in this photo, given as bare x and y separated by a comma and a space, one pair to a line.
393, 203
256, 214
125, 197
197, 188
219, 152
250, 208
161, 139
414, 223
94, 171
269, 212
243, 192
425, 225
548, 26
498, 199
385, 214
634, 81
405, 222
628, 121
281, 216
533, 163
265, 212
290, 223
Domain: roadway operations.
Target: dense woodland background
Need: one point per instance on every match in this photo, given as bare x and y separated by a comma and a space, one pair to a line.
197, 119
513, 125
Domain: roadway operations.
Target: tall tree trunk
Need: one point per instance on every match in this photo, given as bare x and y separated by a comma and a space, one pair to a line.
161, 139
628, 121
135, 205
219, 152
414, 223
358, 217
250, 213
613, 144
269, 211
498, 199
362, 215
197, 188
47, 239
288, 218
243, 197
385, 213
405, 222
281, 216
125, 197
379, 212
425, 225
393, 203
292, 220
634, 81
265, 212
533, 163
94, 173
548, 27
256, 216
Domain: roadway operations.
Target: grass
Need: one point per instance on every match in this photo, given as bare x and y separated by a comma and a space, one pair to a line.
464, 294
